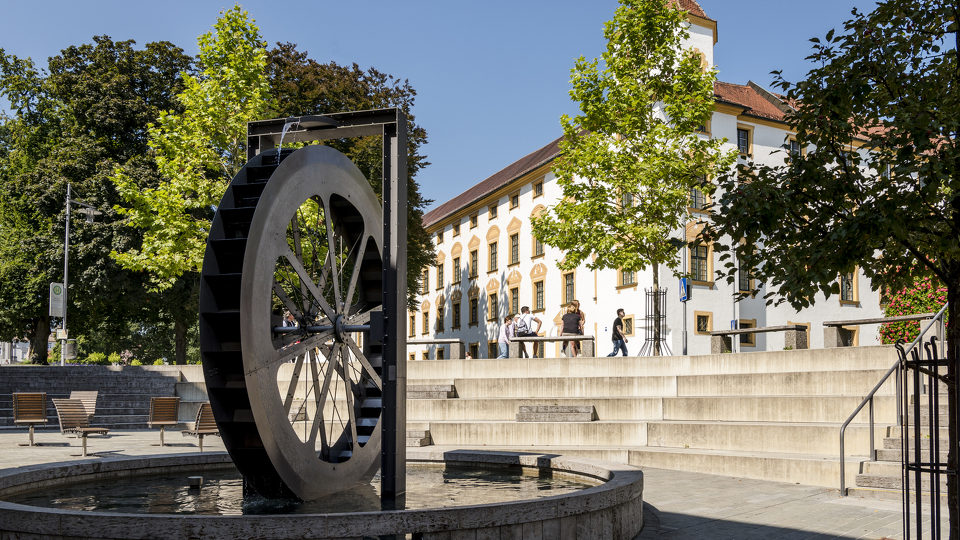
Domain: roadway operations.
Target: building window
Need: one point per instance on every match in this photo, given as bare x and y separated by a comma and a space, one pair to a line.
413, 357
492, 351
494, 307
699, 270
456, 229
473, 221
456, 315
439, 237
515, 249
749, 340
743, 141
425, 282
440, 276
538, 296
514, 200
493, 257
848, 287
456, 269
515, 300
439, 353
627, 278
493, 211
628, 326
474, 262
537, 247
794, 148
569, 291
743, 280
475, 350
698, 201
440, 319
703, 322
426, 323
426, 355
538, 189
413, 326
474, 311
626, 200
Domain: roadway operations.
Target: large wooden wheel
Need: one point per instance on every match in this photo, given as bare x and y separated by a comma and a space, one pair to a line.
298, 405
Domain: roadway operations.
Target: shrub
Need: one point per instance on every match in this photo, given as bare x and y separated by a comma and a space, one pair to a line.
97, 358
136, 362
114, 358
926, 295
158, 362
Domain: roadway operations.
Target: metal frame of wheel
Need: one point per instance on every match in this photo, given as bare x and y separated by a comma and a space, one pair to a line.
243, 342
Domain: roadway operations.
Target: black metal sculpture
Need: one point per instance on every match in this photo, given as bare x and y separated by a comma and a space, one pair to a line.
302, 268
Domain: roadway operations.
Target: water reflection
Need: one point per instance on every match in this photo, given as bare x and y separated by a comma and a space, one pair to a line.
222, 492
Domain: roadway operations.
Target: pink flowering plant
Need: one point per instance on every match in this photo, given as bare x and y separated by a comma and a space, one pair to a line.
926, 295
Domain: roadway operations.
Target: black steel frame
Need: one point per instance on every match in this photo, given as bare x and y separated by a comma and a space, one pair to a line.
392, 125
650, 320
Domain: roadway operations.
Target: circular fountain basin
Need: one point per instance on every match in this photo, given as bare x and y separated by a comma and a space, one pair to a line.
610, 510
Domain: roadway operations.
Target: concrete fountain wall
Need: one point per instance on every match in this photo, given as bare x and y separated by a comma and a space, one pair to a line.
612, 510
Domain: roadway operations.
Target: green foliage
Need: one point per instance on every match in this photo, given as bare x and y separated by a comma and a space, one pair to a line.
303, 86
197, 151
632, 156
97, 358
114, 358
158, 362
888, 83
926, 295
136, 362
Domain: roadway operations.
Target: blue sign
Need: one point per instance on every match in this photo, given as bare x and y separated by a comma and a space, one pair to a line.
684, 289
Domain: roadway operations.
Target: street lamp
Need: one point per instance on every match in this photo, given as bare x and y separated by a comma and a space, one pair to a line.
89, 211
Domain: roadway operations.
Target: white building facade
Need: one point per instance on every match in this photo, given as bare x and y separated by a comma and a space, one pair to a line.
489, 264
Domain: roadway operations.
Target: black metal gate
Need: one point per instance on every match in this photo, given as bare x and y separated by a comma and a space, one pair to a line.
924, 437
655, 327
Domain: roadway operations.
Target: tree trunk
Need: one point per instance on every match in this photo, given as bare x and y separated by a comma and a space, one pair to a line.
656, 309
38, 342
180, 341
953, 349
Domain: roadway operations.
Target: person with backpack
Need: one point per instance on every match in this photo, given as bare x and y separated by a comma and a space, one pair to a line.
524, 328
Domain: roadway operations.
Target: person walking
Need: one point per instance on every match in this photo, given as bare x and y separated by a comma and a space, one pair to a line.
619, 340
583, 321
506, 333
524, 328
571, 327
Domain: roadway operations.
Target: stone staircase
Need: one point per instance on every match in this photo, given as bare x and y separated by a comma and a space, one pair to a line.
766, 415
883, 479
123, 400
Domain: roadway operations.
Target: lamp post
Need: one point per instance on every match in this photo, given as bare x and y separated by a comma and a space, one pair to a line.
89, 211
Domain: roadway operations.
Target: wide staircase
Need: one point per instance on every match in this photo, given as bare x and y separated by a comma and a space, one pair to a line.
766, 415
123, 400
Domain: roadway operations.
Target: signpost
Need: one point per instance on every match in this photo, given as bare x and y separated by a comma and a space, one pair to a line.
57, 300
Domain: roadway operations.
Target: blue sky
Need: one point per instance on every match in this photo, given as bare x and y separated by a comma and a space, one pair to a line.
492, 77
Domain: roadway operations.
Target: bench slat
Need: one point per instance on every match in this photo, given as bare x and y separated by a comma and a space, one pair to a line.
30, 408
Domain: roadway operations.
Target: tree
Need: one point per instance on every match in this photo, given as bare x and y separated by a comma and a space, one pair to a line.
198, 151
631, 158
879, 183
74, 124
303, 86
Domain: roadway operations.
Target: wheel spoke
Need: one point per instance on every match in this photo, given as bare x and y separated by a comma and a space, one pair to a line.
355, 275
292, 388
331, 254
371, 373
320, 392
297, 349
348, 389
317, 296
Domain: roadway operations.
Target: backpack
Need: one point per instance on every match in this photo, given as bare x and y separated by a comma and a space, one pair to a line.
521, 327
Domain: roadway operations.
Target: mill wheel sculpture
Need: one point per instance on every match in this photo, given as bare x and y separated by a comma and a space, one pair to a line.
299, 232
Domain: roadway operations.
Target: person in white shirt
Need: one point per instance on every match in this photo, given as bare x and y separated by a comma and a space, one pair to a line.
506, 334
524, 328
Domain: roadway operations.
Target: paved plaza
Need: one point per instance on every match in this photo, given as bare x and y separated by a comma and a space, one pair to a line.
679, 505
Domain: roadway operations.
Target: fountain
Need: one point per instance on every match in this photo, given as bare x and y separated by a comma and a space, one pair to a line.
301, 267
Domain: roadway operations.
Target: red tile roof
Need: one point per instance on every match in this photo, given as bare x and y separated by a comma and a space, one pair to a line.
690, 6
506, 175
747, 97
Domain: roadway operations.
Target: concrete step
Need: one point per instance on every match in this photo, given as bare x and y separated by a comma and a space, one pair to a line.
543, 387
896, 456
895, 444
832, 360
891, 495
777, 409
505, 409
556, 413
430, 395
882, 481
539, 433
807, 438
820, 383
925, 433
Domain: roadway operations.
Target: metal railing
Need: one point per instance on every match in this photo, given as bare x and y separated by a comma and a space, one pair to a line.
869, 399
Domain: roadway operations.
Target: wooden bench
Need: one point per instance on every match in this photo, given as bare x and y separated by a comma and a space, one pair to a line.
74, 421
205, 425
29, 408
164, 412
456, 348
795, 337
89, 400
588, 344
835, 335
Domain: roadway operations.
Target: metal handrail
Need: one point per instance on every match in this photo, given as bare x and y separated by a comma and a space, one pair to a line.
869, 399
